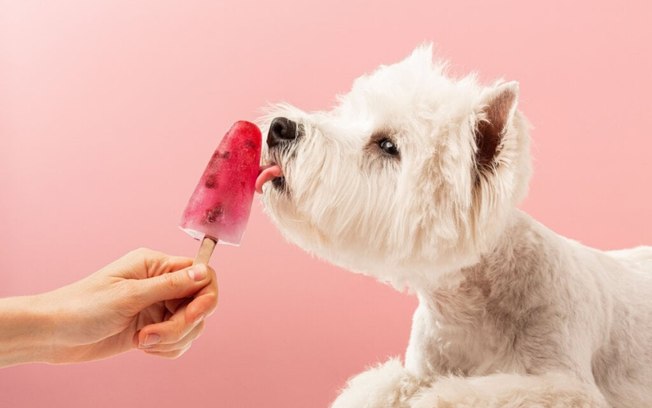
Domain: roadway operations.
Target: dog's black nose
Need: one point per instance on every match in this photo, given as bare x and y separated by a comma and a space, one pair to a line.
281, 130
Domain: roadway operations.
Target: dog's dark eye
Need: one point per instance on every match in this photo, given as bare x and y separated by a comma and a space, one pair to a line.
388, 147
381, 145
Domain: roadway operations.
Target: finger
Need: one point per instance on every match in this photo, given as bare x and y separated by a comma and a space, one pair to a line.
173, 285
205, 301
166, 263
169, 331
203, 304
201, 307
173, 305
183, 343
143, 263
168, 354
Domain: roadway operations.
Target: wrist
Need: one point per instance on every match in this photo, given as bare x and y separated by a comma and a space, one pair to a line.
26, 330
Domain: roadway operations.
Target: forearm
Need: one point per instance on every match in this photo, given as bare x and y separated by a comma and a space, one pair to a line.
24, 331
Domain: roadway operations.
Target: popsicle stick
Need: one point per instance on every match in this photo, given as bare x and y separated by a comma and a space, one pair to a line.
205, 251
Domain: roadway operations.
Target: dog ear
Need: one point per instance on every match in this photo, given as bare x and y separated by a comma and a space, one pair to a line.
496, 110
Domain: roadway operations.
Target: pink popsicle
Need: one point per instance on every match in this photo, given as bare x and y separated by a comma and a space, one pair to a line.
220, 206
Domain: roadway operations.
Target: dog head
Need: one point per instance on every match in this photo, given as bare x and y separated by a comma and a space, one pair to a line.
412, 171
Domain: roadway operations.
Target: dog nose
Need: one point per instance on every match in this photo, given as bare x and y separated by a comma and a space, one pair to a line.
281, 130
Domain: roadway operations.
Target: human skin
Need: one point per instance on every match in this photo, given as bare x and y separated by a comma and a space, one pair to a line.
145, 300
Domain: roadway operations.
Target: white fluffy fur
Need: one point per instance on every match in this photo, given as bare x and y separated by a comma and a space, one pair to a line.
510, 314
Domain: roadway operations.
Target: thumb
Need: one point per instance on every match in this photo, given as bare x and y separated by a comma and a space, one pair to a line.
173, 285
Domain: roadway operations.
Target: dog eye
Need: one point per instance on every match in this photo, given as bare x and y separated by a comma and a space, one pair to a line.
388, 147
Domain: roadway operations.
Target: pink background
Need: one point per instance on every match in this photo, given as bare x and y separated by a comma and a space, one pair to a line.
110, 109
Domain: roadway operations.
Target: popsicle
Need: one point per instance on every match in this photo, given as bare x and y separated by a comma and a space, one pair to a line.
219, 208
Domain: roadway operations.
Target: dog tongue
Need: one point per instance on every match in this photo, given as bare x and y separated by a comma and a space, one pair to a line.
267, 173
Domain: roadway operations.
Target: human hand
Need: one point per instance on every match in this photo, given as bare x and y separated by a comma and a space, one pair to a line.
146, 299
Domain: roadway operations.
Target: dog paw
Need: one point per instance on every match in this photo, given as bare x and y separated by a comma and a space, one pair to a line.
508, 391
385, 386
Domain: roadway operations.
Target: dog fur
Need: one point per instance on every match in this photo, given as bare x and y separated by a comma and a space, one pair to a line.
510, 313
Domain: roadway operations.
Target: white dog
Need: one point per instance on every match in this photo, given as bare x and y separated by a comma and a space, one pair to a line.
414, 179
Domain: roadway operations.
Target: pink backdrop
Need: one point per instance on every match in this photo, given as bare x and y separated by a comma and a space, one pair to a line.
109, 111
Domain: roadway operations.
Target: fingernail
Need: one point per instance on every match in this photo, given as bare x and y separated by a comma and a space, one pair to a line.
200, 318
151, 339
197, 272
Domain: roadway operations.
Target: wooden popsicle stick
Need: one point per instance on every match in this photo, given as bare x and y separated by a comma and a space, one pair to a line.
205, 251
